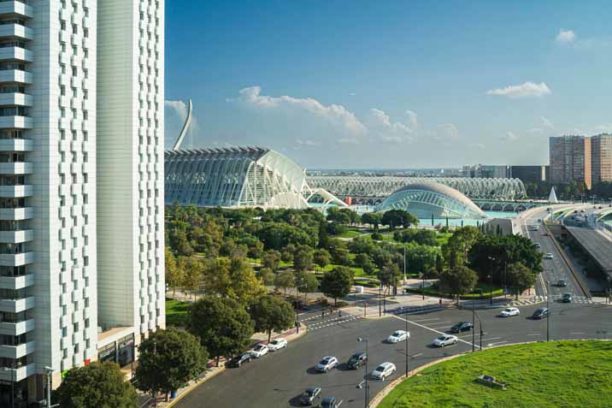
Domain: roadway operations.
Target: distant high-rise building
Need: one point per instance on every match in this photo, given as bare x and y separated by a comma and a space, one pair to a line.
530, 174
570, 159
486, 171
81, 197
601, 152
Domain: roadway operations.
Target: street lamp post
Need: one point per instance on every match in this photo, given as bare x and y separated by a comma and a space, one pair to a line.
473, 326
379, 300
367, 387
406, 344
405, 280
548, 309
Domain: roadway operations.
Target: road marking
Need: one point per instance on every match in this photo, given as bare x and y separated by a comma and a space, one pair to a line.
493, 338
496, 343
416, 355
427, 320
534, 334
429, 328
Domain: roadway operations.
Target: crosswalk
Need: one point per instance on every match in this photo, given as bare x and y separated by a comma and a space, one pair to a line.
554, 298
316, 323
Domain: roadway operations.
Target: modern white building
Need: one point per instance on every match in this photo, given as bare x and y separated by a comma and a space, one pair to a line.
81, 256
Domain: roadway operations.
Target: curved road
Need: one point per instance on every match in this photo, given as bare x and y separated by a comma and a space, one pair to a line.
278, 378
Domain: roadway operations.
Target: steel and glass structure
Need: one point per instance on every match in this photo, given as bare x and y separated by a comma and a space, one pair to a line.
383, 186
436, 200
234, 177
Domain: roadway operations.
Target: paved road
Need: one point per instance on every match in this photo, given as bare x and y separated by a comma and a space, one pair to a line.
553, 269
278, 378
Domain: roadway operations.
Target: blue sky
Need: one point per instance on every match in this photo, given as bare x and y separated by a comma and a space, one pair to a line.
396, 84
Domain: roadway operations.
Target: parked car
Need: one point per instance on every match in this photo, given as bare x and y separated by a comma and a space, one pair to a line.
537, 245
540, 313
240, 360
445, 340
310, 396
277, 344
327, 363
567, 298
461, 327
330, 402
259, 350
397, 336
510, 311
384, 371
548, 255
357, 360
561, 283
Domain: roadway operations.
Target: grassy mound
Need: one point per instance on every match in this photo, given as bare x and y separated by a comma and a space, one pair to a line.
555, 374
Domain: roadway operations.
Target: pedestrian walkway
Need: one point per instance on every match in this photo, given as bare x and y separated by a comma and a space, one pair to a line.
335, 320
555, 298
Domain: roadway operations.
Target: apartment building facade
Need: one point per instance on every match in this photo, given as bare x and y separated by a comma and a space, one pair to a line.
57, 292
570, 159
601, 152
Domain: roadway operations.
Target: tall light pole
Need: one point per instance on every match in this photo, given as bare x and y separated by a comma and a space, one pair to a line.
367, 387
406, 344
548, 310
48, 371
405, 280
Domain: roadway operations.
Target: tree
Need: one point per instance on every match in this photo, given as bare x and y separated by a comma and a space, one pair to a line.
271, 313
458, 281
96, 385
372, 218
306, 282
193, 270
267, 276
271, 259
337, 282
459, 244
396, 218
175, 276
244, 283
302, 258
389, 276
322, 257
222, 324
284, 280
520, 277
176, 354
323, 235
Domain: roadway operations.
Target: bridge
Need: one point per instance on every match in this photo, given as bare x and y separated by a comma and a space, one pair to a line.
372, 190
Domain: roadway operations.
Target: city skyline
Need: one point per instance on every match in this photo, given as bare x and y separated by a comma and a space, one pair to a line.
388, 87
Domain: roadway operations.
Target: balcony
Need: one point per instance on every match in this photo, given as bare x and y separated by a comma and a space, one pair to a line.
16, 329
16, 259
15, 31
18, 374
15, 99
15, 9
16, 282
16, 191
19, 351
15, 54
16, 237
16, 305
15, 122
16, 214
16, 76
16, 168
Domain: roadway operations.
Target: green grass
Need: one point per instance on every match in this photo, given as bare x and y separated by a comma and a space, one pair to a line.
349, 233
176, 312
555, 374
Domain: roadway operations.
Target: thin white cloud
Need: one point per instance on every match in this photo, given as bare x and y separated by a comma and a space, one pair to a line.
546, 123
382, 127
307, 142
509, 137
524, 90
335, 114
446, 132
565, 37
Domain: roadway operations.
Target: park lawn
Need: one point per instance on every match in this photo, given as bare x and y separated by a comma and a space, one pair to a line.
555, 374
349, 233
176, 312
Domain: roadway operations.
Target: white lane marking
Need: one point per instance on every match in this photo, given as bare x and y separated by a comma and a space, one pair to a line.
417, 355
426, 320
493, 338
496, 343
534, 334
429, 328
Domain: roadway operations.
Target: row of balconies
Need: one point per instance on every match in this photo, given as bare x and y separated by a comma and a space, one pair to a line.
16, 145
16, 31
16, 9
16, 168
16, 282
15, 76
16, 329
16, 214
16, 54
16, 122
16, 191
19, 351
16, 237
15, 99
17, 305
21, 259
18, 374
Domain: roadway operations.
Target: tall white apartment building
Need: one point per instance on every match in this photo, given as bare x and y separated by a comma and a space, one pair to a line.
81, 256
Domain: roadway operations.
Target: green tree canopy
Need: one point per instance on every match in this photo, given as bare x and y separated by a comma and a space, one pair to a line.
520, 278
271, 259
322, 257
337, 282
372, 218
284, 280
302, 258
222, 324
389, 276
175, 353
306, 282
458, 281
399, 218
98, 385
271, 313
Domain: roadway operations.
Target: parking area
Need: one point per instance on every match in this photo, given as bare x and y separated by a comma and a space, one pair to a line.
279, 378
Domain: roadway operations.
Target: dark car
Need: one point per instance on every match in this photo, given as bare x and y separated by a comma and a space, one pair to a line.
561, 283
329, 402
241, 359
309, 396
461, 327
567, 298
540, 313
357, 360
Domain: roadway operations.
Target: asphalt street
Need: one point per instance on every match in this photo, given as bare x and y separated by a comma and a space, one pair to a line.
277, 379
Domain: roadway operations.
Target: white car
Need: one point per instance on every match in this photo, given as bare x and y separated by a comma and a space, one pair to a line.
397, 336
445, 340
259, 350
510, 311
277, 344
548, 255
383, 371
326, 364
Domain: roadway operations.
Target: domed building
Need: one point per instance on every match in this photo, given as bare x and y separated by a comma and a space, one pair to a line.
425, 200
